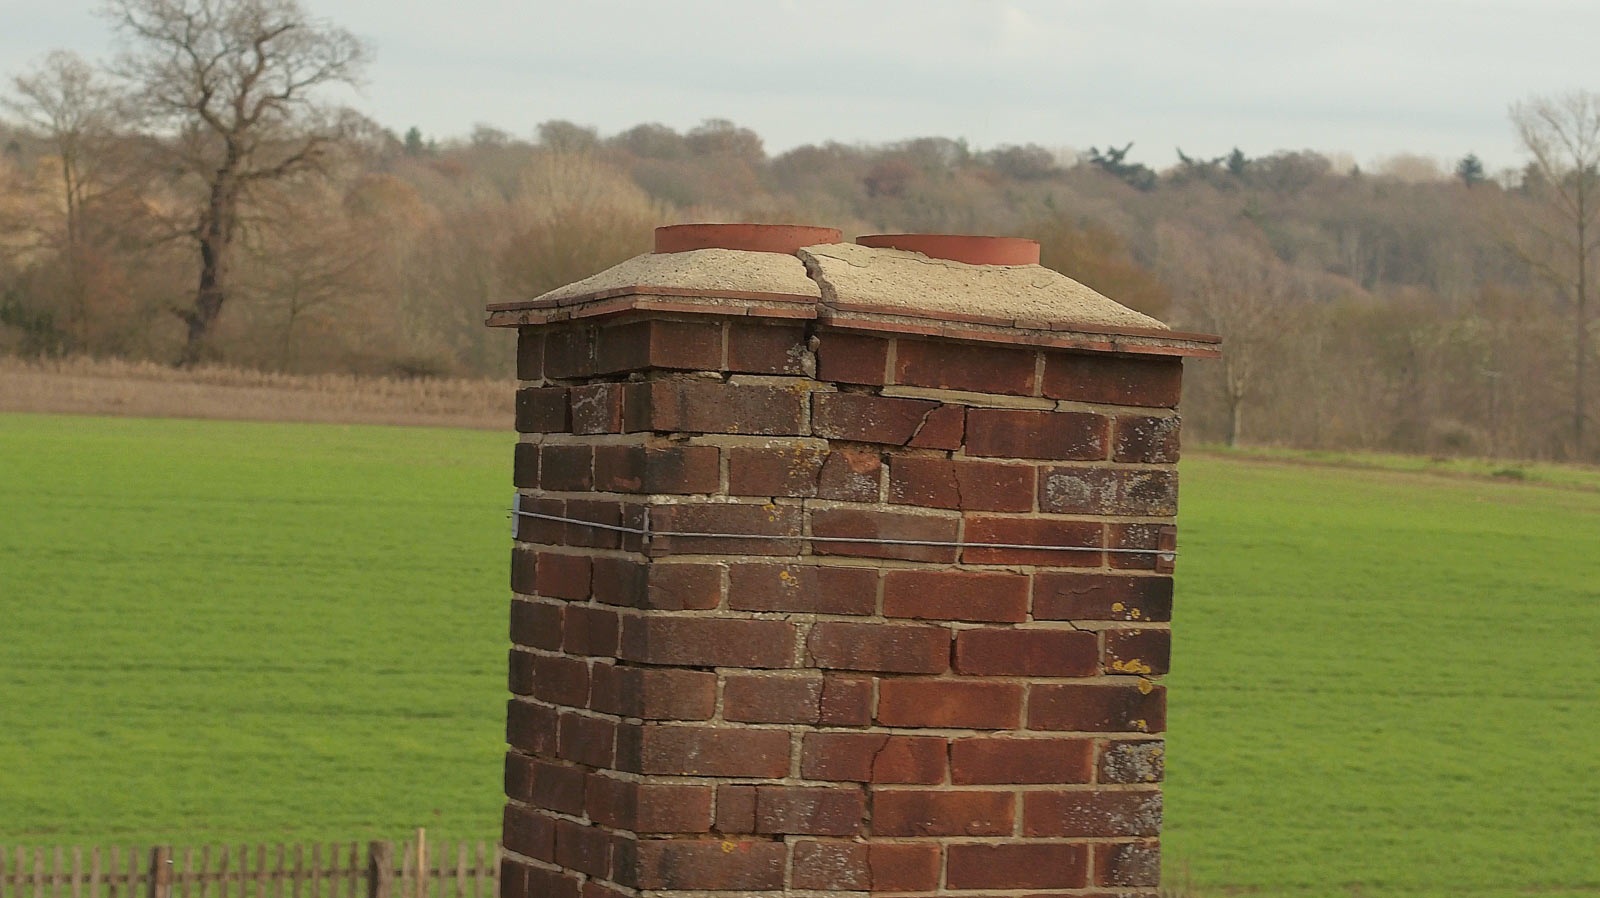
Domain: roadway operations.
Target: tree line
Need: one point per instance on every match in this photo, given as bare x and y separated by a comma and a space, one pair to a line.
200, 198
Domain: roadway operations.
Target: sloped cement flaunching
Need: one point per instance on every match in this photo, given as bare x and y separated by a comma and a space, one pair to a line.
839, 569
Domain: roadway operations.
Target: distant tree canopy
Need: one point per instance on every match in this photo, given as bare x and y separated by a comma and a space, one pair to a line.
135, 207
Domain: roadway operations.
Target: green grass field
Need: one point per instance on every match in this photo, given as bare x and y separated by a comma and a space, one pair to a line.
1387, 683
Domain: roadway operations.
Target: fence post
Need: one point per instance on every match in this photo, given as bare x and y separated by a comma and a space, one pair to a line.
380, 869
160, 873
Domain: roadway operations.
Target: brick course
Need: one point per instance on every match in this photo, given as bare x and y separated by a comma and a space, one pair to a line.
716, 715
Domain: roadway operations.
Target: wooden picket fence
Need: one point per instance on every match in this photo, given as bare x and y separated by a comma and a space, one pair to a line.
411, 869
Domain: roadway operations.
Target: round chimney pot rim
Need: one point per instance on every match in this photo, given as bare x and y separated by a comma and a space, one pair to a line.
786, 239
973, 249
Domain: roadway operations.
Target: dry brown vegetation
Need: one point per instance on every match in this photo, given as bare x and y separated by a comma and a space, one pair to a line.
147, 389
1398, 309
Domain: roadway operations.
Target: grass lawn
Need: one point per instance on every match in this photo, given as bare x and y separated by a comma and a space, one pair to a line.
1387, 683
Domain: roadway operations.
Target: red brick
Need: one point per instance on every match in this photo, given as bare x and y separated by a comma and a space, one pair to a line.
519, 678
1112, 380
594, 888
1079, 490
513, 879
873, 758
651, 469
852, 359
767, 349
1093, 814
550, 884
1145, 439
1147, 493
1122, 864
695, 407
524, 570
1022, 433
903, 867
850, 475
707, 751
648, 807
529, 833
684, 345
558, 787
955, 595
530, 727
564, 576
949, 703
803, 588
653, 693
586, 740
566, 467
590, 631
569, 351
660, 586
1027, 653
879, 647
560, 680
536, 530
941, 812
780, 522
596, 408
708, 642
605, 512
1017, 865
774, 471
1133, 761
866, 866
1072, 596
769, 698
1145, 652
944, 428
869, 419
965, 366
954, 483
1010, 760
543, 410
736, 809
707, 864
1138, 536
846, 701
536, 624
1093, 709
797, 810
851, 523
525, 466
518, 775
530, 353
1032, 532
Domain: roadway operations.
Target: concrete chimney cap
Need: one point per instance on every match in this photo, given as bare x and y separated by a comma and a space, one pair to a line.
964, 286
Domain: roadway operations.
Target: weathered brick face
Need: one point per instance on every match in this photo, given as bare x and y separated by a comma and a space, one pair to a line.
785, 706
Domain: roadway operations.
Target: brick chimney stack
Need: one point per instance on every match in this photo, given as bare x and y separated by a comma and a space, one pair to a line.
919, 649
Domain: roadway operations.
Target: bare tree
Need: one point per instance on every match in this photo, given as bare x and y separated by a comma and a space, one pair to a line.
1562, 134
1227, 286
236, 83
76, 111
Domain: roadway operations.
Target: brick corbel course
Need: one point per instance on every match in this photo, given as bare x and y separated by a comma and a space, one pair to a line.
711, 715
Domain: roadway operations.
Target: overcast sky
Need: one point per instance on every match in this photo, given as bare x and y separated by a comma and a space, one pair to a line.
1370, 78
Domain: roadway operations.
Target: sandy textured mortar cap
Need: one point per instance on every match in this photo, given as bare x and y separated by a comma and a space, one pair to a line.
951, 285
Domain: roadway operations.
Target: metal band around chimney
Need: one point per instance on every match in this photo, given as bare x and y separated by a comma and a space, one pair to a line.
645, 532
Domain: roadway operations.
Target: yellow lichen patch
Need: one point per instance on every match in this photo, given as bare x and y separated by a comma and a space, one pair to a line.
1116, 606
1141, 725
1145, 686
1132, 665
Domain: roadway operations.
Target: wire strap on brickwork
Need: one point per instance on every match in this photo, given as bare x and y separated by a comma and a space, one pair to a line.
646, 533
